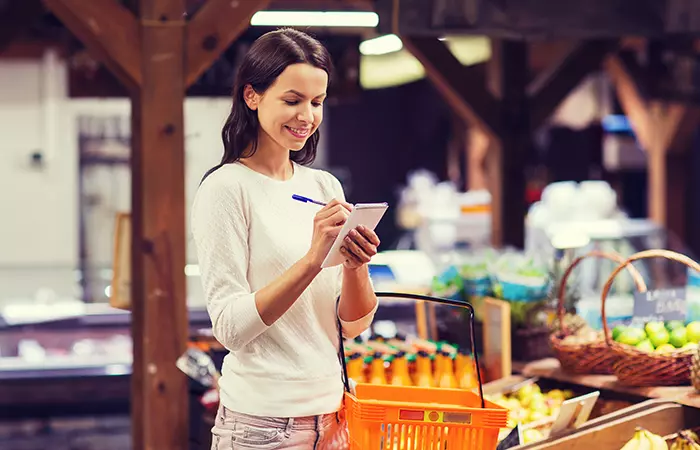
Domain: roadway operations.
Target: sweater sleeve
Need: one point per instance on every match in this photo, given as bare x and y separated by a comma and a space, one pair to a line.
350, 329
220, 232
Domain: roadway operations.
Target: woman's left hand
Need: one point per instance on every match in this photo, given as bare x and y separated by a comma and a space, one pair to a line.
359, 247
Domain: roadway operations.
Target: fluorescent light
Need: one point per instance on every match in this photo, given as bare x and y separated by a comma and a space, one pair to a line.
315, 18
381, 45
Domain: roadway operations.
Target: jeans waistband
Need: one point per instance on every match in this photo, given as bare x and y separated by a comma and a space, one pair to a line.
287, 423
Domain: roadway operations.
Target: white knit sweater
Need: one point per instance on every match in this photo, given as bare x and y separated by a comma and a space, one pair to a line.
248, 231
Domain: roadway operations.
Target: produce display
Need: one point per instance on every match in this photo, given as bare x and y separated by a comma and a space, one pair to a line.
530, 406
579, 331
644, 439
659, 337
686, 440
405, 361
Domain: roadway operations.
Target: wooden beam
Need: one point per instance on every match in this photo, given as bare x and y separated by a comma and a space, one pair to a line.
459, 85
158, 208
549, 89
108, 30
213, 29
506, 159
664, 130
159, 312
16, 17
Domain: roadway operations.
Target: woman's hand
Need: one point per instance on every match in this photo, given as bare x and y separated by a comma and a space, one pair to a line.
359, 247
327, 225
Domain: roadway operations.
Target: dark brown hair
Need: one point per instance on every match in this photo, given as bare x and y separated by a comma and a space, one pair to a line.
266, 59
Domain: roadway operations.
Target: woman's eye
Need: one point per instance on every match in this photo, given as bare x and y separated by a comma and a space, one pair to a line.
291, 102
317, 104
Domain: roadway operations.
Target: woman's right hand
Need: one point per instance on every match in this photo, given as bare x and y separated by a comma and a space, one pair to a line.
327, 225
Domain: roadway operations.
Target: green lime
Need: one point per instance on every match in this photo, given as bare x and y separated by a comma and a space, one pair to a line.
645, 346
653, 327
617, 331
659, 337
673, 324
678, 337
666, 348
631, 336
693, 332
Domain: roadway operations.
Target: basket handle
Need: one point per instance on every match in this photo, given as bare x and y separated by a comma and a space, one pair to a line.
612, 256
668, 254
442, 301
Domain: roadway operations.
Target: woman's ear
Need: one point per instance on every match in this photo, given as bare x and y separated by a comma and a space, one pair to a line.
251, 97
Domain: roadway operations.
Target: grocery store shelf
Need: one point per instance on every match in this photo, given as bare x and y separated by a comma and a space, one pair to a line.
550, 368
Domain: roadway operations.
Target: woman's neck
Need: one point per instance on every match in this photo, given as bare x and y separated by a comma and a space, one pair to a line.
270, 160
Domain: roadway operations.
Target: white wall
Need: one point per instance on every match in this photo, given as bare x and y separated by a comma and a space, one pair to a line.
39, 205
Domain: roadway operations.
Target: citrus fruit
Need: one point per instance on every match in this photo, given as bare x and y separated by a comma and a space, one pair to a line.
673, 324
645, 346
666, 348
659, 337
693, 332
678, 338
631, 336
653, 327
617, 331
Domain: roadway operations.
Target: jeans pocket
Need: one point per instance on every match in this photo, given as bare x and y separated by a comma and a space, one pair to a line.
249, 436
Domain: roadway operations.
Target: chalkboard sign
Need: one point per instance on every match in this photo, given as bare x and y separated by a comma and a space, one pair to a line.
513, 439
660, 304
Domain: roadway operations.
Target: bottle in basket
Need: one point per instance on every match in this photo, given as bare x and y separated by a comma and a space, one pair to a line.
424, 370
377, 374
447, 377
399, 372
356, 368
466, 379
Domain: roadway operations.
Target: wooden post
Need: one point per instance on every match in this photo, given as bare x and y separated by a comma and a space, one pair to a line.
507, 158
664, 130
149, 56
159, 390
502, 120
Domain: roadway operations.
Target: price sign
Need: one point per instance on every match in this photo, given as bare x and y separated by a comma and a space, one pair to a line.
514, 439
660, 304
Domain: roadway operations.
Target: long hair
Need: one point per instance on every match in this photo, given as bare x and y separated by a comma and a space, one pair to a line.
266, 59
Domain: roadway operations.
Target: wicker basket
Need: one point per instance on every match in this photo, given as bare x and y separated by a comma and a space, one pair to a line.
638, 368
592, 357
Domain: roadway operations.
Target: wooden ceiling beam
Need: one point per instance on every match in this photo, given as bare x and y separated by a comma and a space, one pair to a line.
16, 17
108, 30
551, 87
213, 29
462, 87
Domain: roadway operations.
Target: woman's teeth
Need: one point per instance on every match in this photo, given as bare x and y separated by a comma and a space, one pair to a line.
299, 132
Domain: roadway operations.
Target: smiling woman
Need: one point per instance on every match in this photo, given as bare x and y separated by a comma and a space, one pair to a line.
260, 255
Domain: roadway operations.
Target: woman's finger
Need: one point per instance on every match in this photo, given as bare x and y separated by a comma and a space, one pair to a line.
351, 257
370, 235
367, 247
355, 249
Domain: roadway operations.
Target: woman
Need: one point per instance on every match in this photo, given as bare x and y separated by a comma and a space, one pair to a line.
260, 255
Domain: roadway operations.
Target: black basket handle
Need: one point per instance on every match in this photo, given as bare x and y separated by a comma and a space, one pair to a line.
442, 301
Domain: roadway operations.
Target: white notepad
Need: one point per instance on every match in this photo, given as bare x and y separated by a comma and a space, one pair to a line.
366, 214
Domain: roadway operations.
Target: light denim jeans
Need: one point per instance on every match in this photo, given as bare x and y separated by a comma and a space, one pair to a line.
236, 431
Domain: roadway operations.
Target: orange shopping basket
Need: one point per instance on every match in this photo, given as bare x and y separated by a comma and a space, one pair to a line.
382, 417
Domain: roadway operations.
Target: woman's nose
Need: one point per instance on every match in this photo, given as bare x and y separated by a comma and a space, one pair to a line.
305, 114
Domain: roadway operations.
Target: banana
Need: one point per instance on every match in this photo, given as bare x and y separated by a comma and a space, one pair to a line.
657, 442
636, 442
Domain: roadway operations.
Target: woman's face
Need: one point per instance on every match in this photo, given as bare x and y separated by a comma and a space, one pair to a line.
291, 109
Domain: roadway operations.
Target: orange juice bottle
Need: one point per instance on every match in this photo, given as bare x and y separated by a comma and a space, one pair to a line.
424, 370
377, 374
439, 367
447, 377
356, 368
399, 376
466, 379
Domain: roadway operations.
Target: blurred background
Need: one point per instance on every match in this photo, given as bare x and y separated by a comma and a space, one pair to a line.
504, 136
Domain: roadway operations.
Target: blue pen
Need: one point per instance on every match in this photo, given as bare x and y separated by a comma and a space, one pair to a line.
303, 199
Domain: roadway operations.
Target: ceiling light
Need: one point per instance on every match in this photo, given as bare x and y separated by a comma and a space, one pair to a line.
381, 45
315, 18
